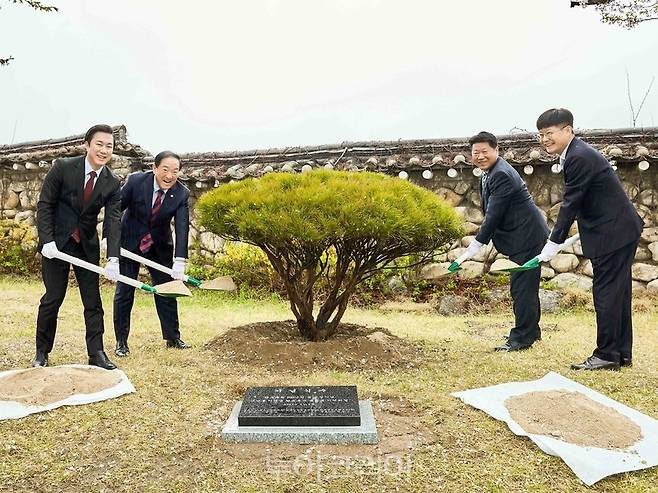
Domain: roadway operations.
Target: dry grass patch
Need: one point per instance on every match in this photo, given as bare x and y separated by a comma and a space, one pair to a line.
165, 436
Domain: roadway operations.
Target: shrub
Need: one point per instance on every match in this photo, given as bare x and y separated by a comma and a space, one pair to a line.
368, 219
18, 248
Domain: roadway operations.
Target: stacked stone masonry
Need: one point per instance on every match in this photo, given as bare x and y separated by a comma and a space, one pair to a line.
441, 165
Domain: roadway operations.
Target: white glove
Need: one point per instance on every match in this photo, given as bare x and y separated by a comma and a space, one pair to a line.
49, 250
112, 269
178, 269
549, 251
471, 250
104, 247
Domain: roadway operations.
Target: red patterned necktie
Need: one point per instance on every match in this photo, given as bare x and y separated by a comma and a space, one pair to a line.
147, 241
86, 195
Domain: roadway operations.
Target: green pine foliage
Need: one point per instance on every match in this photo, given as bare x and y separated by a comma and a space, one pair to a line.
299, 220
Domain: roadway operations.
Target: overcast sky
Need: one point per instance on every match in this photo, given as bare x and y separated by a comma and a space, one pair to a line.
225, 75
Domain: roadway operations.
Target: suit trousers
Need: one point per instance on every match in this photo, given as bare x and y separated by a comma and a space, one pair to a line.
55, 275
124, 297
524, 288
612, 291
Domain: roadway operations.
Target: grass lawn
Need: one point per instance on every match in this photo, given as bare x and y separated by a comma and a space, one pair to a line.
165, 436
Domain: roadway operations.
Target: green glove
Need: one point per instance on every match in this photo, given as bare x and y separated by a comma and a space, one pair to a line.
533, 263
454, 267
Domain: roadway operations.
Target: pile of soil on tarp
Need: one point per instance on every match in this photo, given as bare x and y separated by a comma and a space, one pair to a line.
573, 417
43, 386
278, 345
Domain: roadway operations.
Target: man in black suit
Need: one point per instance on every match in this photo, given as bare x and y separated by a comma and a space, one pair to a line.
518, 230
72, 195
150, 200
609, 228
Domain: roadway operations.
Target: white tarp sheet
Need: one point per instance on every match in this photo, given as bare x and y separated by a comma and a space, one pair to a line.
590, 464
15, 410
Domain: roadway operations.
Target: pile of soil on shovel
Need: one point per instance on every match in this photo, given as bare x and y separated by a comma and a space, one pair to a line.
573, 417
279, 346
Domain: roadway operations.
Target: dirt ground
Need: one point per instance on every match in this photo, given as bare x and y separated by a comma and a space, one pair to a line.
278, 346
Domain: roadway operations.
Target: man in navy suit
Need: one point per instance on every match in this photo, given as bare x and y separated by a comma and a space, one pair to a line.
73, 193
518, 230
609, 228
150, 200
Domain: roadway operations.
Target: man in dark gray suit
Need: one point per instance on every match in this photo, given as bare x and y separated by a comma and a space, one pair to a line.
518, 230
609, 228
73, 193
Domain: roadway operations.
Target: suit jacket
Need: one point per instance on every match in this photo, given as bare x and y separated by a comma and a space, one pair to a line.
593, 195
60, 209
136, 202
511, 218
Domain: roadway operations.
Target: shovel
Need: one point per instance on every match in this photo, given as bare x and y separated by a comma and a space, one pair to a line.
533, 263
218, 285
99, 270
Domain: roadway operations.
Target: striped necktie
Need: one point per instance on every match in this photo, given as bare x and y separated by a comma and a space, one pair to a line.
147, 241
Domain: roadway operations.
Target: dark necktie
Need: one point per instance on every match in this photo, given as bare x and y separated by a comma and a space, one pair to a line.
86, 195
485, 175
147, 241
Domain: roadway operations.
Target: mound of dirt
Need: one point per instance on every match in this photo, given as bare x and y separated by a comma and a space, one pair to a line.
43, 386
278, 345
573, 417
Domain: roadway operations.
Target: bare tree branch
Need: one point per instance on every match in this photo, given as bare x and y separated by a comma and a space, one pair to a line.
634, 114
36, 5
630, 99
645, 95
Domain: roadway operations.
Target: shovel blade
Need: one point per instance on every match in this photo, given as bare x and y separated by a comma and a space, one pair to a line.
219, 284
504, 265
172, 289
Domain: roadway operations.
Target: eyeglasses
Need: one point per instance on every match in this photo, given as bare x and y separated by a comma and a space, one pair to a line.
549, 135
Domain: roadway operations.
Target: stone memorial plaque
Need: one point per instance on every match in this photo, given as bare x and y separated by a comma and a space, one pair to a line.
300, 406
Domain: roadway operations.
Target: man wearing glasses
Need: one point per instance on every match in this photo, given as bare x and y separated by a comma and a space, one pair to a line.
609, 228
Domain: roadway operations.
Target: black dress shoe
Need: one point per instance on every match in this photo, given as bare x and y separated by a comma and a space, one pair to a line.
100, 359
122, 349
178, 344
40, 360
596, 363
512, 346
626, 361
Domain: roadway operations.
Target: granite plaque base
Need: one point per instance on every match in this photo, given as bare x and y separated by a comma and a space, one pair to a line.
365, 433
336, 405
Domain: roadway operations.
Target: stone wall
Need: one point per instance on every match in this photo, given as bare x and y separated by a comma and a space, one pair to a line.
569, 268
440, 165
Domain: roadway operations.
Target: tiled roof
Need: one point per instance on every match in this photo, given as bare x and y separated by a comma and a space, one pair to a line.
45, 151
628, 145
625, 145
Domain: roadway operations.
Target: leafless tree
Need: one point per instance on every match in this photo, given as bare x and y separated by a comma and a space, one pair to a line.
636, 114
